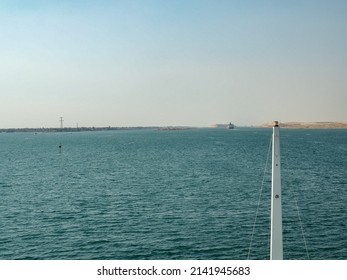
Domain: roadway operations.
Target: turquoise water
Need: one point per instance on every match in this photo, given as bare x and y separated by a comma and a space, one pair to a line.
150, 194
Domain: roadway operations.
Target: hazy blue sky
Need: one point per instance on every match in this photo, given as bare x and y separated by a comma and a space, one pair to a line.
192, 62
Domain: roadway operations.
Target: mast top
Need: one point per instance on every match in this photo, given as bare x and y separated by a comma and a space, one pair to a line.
276, 124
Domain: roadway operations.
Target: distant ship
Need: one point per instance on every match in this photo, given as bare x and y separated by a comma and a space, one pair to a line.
231, 126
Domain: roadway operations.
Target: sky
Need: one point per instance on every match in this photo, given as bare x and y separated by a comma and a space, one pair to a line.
179, 62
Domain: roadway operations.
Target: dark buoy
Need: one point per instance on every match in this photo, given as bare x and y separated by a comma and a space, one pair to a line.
60, 147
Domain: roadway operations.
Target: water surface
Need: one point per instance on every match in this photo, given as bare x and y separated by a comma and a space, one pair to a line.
150, 194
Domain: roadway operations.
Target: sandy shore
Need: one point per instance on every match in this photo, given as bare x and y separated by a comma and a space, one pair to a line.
310, 125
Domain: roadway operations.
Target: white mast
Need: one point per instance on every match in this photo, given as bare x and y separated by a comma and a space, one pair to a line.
276, 245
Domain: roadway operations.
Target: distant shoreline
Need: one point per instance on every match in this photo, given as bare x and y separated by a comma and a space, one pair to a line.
71, 129
298, 125
84, 129
310, 125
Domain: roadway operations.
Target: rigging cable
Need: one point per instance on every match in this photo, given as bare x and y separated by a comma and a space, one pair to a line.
260, 194
301, 225
298, 213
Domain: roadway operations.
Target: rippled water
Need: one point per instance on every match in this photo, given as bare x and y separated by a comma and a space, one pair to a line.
150, 194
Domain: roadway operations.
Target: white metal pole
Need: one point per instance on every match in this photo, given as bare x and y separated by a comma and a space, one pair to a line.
276, 245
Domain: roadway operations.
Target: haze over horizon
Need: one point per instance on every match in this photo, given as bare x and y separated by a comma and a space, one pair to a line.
161, 63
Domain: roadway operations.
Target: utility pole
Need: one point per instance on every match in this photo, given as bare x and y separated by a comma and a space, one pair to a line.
61, 123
